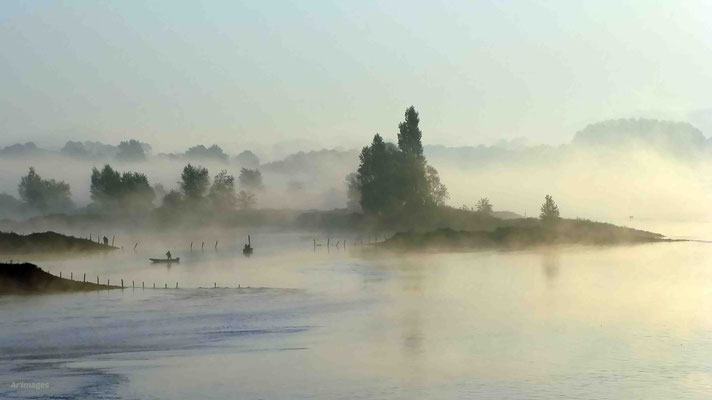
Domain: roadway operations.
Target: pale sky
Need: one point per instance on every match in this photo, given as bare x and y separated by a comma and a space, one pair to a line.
242, 74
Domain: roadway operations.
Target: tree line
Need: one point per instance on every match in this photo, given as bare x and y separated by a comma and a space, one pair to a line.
130, 193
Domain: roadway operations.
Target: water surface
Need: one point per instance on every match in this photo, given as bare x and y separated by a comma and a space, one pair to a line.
572, 322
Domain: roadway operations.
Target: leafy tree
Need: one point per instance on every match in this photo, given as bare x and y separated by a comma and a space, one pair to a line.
131, 151
397, 181
44, 195
245, 200
549, 211
409, 134
194, 182
436, 190
250, 178
222, 192
415, 188
172, 199
137, 194
376, 177
105, 185
128, 192
484, 206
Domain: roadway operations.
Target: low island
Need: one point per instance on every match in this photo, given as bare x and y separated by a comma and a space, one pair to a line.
522, 234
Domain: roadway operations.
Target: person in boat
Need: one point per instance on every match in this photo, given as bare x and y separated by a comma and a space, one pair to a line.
106, 241
168, 255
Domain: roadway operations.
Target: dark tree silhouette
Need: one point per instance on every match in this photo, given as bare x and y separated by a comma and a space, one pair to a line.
484, 206
131, 151
437, 192
222, 192
172, 199
549, 211
45, 195
128, 192
194, 182
376, 177
409, 134
250, 178
397, 181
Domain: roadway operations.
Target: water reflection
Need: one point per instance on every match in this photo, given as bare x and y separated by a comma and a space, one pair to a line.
550, 264
344, 325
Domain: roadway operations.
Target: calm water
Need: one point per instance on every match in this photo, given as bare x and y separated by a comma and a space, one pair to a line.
597, 323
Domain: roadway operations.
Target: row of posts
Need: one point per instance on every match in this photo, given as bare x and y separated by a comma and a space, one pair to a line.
342, 243
133, 285
108, 281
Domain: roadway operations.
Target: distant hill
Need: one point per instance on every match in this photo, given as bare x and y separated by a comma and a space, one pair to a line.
506, 215
21, 150
670, 136
312, 161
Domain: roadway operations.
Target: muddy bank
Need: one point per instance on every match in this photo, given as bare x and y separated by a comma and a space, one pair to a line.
47, 242
29, 278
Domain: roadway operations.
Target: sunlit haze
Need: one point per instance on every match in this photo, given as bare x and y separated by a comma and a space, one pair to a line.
320, 74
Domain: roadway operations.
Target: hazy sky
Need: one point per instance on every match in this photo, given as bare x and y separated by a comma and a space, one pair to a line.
241, 74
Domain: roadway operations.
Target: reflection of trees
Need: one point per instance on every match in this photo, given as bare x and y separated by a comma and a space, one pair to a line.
412, 282
550, 265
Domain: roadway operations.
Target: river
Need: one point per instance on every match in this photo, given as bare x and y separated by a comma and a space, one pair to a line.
297, 322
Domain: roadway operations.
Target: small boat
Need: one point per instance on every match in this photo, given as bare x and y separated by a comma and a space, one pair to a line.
165, 260
247, 250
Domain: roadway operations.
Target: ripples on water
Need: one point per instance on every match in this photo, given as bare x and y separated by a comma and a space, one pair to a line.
616, 322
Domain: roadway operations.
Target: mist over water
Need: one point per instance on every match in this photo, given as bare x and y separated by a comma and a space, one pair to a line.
572, 321
355, 200
597, 182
